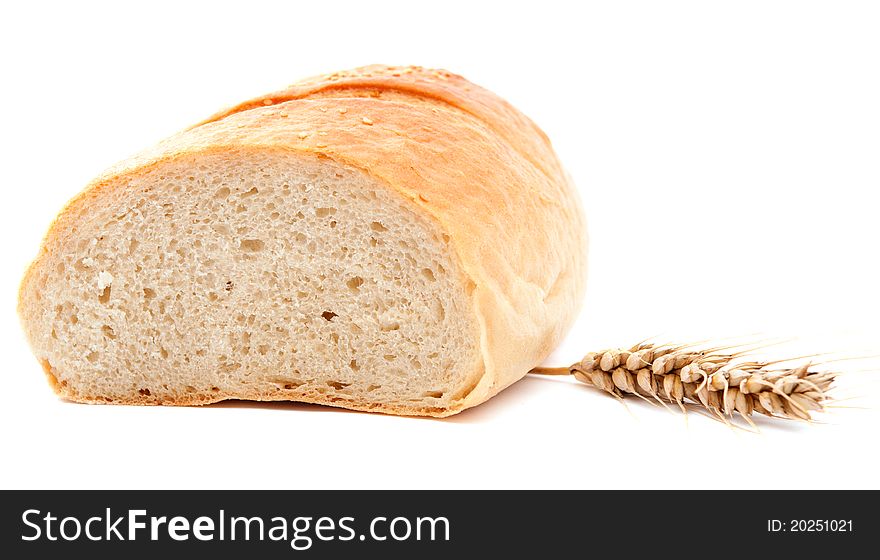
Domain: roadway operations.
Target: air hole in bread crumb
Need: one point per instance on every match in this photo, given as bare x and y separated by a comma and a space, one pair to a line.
229, 285
144, 392
433, 394
215, 389
190, 389
338, 385
439, 311
377, 226
230, 367
251, 192
288, 383
92, 357
163, 352
324, 212
328, 315
354, 284
429, 274
74, 319
390, 326
105, 295
390, 357
263, 349
252, 245
108, 332
222, 192
149, 293
372, 388
222, 229
354, 365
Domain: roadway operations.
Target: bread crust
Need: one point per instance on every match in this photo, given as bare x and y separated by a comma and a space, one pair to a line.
467, 159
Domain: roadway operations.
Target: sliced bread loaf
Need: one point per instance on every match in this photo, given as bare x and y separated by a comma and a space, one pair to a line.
387, 239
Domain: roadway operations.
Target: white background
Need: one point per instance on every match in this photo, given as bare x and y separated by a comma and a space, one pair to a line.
728, 155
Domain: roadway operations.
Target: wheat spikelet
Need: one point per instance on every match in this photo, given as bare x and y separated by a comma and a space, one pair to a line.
719, 380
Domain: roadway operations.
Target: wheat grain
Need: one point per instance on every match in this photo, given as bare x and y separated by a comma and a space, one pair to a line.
720, 380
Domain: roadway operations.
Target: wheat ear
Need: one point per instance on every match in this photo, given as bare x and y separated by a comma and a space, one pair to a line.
719, 380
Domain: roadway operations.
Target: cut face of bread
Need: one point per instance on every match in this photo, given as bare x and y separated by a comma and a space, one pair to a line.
275, 276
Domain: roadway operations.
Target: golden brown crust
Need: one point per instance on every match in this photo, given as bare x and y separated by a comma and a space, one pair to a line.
285, 396
482, 170
440, 86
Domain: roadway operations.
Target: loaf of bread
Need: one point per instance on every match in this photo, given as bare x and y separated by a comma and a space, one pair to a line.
391, 239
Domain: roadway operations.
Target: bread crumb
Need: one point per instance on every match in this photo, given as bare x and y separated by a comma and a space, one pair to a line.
104, 279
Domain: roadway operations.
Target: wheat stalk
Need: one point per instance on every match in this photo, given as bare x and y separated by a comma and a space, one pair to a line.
719, 380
